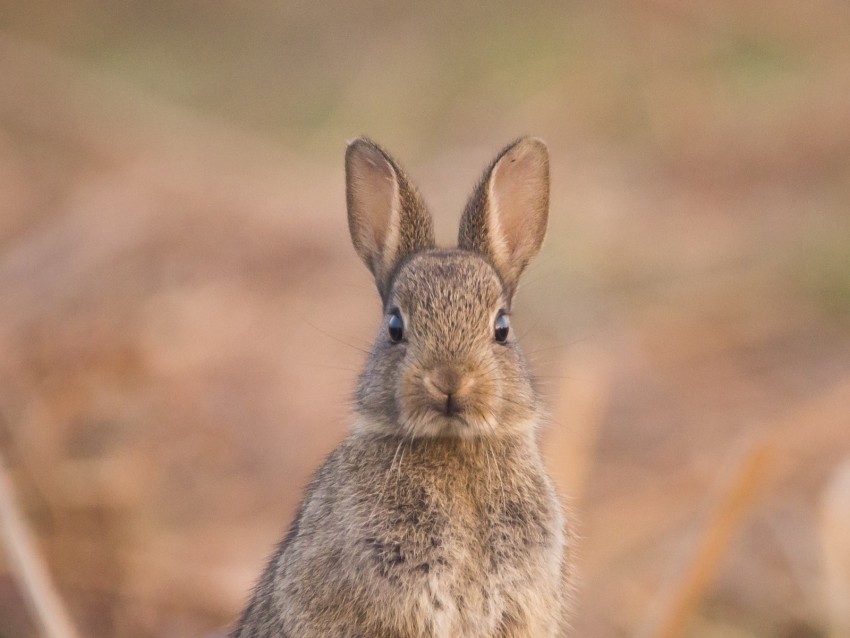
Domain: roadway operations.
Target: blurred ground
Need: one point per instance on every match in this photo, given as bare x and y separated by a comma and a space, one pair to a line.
182, 318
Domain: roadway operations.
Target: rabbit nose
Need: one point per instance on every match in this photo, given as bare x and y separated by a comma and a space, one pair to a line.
448, 387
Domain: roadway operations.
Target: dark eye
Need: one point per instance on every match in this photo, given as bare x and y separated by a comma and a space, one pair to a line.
501, 327
396, 326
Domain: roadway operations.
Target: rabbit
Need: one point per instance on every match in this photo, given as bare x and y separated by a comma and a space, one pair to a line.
435, 516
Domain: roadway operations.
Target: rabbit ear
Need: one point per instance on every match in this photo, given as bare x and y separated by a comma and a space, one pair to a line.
386, 216
506, 216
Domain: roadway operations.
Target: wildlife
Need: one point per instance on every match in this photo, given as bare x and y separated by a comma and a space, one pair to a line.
435, 517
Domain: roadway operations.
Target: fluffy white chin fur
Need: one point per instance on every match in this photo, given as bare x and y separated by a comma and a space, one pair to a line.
433, 424
436, 425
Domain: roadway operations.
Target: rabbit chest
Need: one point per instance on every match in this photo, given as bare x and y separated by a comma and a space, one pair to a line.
458, 538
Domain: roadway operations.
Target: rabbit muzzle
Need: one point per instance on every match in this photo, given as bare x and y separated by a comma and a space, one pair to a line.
448, 389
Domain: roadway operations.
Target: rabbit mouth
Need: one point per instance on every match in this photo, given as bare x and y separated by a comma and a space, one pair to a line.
451, 418
448, 400
450, 406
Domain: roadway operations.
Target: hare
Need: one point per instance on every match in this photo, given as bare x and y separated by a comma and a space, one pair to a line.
435, 517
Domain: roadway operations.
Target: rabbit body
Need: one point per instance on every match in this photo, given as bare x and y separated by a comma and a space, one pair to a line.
451, 538
435, 517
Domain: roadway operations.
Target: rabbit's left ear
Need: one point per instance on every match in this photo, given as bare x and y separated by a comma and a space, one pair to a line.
386, 216
507, 215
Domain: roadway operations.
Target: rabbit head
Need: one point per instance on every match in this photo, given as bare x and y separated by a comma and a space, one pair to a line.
445, 362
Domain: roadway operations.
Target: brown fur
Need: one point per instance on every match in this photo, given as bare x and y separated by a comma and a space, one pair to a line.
435, 517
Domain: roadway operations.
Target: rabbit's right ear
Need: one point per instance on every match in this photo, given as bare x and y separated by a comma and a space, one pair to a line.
506, 216
386, 216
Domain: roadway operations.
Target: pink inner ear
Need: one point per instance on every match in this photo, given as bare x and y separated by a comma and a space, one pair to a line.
372, 190
519, 191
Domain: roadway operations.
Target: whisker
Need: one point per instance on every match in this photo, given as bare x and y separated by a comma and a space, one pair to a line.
386, 480
400, 461
528, 329
489, 469
330, 367
560, 346
502, 397
335, 338
496, 463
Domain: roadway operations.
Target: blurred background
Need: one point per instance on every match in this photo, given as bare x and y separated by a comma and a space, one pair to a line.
182, 317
